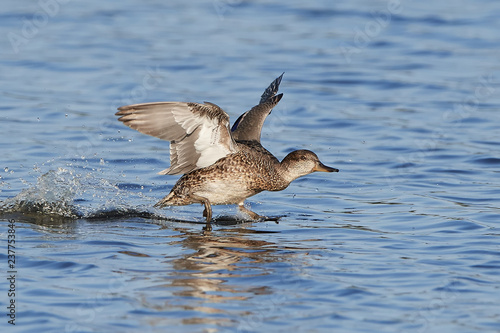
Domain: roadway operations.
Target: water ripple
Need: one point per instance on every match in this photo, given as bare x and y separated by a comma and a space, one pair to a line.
402, 99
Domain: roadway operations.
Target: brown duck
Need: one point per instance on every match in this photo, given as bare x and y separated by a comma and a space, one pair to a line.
220, 165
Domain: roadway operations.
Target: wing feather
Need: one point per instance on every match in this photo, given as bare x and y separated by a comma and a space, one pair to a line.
249, 125
199, 134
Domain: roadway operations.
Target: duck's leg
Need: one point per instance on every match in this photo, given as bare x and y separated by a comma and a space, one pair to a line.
253, 216
207, 212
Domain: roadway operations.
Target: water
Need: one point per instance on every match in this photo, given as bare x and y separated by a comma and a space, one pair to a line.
403, 99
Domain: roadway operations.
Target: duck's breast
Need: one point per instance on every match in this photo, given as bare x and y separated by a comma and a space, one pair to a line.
225, 191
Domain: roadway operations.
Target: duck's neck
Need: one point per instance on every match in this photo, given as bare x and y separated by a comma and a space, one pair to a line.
288, 172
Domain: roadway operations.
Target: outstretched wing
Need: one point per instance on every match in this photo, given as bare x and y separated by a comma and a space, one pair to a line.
249, 125
272, 89
199, 134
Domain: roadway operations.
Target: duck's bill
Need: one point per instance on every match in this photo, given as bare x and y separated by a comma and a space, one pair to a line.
323, 168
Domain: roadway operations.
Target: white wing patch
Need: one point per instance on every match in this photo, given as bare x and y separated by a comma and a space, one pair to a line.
186, 120
208, 145
199, 133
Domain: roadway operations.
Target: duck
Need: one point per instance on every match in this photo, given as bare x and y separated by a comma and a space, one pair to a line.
219, 164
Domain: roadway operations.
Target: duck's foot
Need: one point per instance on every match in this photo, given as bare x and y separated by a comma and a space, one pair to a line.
274, 218
208, 214
254, 216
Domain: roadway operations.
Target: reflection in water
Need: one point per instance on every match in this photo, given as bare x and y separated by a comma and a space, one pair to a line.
211, 279
216, 259
202, 282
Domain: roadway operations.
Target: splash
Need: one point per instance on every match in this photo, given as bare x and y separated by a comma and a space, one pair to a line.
62, 194
68, 194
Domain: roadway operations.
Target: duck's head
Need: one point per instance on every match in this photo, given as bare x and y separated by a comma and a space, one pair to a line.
303, 162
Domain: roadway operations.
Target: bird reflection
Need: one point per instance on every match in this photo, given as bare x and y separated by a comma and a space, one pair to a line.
215, 272
215, 260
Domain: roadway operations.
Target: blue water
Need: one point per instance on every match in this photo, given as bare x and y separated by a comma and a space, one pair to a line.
402, 96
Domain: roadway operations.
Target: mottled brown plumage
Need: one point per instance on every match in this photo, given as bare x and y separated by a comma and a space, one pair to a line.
221, 167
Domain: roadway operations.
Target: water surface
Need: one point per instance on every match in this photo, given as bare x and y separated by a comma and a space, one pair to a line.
402, 99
